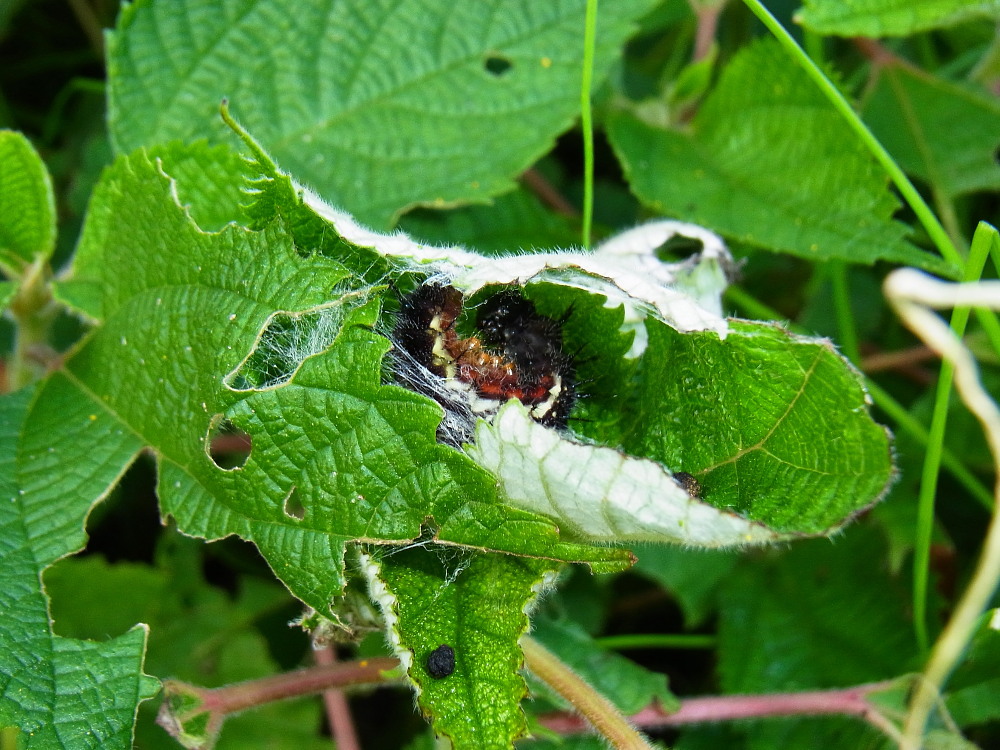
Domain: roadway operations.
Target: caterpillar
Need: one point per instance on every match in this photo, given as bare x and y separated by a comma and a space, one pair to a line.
517, 354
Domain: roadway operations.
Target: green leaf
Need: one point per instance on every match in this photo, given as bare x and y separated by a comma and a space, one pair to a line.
693, 576
198, 633
972, 689
875, 18
7, 291
781, 615
626, 684
204, 177
475, 604
768, 162
237, 328
774, 427
59, 692
941, 132
377, 107
818, 615
27, 206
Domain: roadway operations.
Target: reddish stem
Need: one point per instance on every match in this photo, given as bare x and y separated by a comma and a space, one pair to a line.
708, 25
547, 192
338, 712
848, 701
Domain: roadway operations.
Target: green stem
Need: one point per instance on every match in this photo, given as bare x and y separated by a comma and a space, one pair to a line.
991, 327
845, 316
656, 640
33, 312
932, 457
910, 194
898, 413
586, 119
597, 709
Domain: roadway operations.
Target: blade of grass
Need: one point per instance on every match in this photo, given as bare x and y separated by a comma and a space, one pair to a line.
935, 445
910, 194
586, 118
848, 338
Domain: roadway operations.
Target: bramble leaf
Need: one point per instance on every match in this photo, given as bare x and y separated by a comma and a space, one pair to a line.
27, 206
474, 604
875, 18
60, 692
197, 633
768, 162
204, 331
378, 107
943, 133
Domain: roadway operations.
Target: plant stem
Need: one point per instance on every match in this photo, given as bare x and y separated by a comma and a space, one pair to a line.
656, 640
33, 312
586, 119
913, 294
708, 27
338, 711
845, 316
852, 701
597, 709
898, 413
932, 456
218, 703
910, 194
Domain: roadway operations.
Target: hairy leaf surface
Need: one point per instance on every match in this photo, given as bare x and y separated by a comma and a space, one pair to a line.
202, 332
476, 605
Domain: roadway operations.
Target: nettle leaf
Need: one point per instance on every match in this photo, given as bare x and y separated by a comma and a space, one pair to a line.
915, 114
768, 161
378, 106
475, 605
205, 332
204, 176
27, 205
198, 633
774, 427
60, 692
670, 379
875, 18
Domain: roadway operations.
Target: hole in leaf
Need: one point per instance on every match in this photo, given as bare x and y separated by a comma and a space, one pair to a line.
284, 343
497, 65
227, 445
293, 506
679, 247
